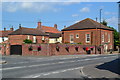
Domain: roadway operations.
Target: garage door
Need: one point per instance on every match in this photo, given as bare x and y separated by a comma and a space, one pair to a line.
16, 49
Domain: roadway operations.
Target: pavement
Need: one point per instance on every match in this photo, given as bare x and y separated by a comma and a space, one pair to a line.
109, 69
65, 66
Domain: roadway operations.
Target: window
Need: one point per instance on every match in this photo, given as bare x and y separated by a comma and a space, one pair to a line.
108, 37
28, 37
34, 39
77, 35
43, 38
71, 38
87, 38
2, 38
102, 37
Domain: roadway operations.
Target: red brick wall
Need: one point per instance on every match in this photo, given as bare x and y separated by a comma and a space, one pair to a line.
95, 36
18, 39
50, 49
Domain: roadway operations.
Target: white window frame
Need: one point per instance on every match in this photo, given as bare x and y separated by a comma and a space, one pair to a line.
108, 37
28, 37
87, 38
103, 38
77, 36
43, 38
71, 36
34, 39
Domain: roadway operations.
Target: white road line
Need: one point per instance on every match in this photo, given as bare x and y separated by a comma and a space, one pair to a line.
61, 62
49, 73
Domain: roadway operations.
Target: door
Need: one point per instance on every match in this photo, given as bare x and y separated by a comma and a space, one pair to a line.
16, 50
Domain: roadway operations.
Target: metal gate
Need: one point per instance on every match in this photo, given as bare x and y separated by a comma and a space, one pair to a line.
16, 50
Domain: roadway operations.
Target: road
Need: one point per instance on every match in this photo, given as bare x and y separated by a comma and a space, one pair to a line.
50, 67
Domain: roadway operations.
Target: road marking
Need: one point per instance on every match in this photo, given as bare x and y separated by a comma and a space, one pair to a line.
61, 62
49, 73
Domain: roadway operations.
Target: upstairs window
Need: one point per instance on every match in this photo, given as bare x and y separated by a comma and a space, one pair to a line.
77, 35
87, 38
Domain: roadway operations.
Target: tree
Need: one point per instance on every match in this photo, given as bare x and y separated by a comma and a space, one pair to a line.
27, 41
104, 23
115, 33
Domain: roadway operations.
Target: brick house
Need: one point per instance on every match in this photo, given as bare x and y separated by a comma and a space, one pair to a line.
88, 32
4, 35
54, 33
36, 35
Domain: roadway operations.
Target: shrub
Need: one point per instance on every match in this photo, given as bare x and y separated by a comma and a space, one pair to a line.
39, 48
79, 43
76, 48
30, 48
57, 48
27, 41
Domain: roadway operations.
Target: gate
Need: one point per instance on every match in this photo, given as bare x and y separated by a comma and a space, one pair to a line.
16, 50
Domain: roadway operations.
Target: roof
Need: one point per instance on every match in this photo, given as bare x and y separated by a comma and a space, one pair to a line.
5, 33
86, 24
54, 35
28, 31
50, 29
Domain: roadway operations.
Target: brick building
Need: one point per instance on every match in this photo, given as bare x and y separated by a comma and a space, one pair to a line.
4, 34
88, 32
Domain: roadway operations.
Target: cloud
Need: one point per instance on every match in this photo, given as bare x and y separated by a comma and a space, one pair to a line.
110, 13
30, 6
85, 9
75, 15
113, 21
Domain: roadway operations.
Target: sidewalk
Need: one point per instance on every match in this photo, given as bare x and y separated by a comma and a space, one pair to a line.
103, 70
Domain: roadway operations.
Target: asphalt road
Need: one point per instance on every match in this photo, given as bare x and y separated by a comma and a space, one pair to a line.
50, 67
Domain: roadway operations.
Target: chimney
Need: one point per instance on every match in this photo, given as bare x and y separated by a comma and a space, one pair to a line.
19, 26
64, 26
55, 26
4, 29
39, 25
12, 28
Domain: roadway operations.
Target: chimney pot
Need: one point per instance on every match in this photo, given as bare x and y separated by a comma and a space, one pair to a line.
64, 26
55, 26
19, 26
39, 25
12, 28
4, 29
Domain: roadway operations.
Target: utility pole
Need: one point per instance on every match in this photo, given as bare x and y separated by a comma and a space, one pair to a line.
100, 29
119, 22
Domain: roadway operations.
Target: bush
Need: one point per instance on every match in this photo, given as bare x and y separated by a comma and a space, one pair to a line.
27, 41
79, 43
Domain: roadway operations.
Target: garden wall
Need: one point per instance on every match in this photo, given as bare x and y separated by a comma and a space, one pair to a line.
56, 49
51, 49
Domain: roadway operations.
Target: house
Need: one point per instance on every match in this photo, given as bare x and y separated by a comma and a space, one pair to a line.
54, 33
36, 35
88, 32
4, 34
41, 34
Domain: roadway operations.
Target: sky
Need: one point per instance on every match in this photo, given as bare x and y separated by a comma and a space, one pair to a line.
61, 13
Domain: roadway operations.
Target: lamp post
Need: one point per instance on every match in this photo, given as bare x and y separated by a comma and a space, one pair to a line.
119, 22
100, 29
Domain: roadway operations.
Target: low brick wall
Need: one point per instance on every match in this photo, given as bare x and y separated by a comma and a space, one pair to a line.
55, 49
51, 49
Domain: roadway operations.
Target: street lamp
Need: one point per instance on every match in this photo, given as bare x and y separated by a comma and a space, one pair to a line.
100, 29
119, 22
